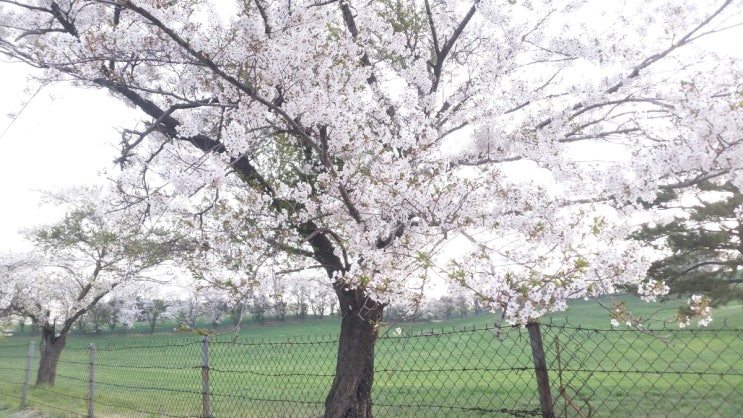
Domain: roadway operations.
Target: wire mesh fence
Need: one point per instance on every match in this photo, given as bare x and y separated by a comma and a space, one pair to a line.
677, 373
457, 372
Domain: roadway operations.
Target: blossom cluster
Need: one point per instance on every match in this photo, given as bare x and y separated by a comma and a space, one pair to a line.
699, 309
650, 291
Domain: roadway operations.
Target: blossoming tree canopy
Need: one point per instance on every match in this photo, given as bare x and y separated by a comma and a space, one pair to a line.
363, 138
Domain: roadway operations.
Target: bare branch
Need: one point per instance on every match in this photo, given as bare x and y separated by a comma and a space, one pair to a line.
264, 16
441, 55
433, 29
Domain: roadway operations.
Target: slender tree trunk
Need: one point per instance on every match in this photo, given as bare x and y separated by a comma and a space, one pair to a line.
50, 350
153, 322
350, 395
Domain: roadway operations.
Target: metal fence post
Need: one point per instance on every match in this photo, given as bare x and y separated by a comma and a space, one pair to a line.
205, 407
28, 374
540, 367
91, 381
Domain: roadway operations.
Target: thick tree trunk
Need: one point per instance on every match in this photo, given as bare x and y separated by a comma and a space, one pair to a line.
50, 350
350, 395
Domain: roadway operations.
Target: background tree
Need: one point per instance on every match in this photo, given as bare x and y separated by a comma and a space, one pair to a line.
444, 307
98, 315
260, 305
277, 292
116, 313
95, 249
463, 305
215, 306
206, 304
186, 310
703, 243
476, 305
152, 311
300, 299
11, 267
320, 298
21, 324
84, 323
365, 138
102, 316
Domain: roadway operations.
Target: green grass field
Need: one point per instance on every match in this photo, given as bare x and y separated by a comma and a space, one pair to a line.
456, 368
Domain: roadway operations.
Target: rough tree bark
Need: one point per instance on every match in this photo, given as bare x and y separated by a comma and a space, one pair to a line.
50, 350
350, 395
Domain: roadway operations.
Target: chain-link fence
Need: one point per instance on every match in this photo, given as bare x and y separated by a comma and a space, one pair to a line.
464, 372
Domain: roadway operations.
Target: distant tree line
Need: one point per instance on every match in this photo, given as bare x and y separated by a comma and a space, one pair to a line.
198, 310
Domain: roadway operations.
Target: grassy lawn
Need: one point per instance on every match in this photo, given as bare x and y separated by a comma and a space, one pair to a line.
456, 368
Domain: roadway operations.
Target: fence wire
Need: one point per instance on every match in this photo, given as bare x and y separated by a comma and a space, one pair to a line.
674, 373
455, 372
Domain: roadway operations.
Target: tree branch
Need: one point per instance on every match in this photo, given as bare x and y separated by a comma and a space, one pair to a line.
441, 55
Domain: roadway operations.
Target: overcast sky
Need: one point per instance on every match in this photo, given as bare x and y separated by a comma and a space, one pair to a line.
57, 140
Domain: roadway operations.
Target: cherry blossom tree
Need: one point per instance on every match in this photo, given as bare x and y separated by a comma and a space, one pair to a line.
215, 306
153, 311
11, 265
320, 298
206, 303
112, 313
97, 249
503, 145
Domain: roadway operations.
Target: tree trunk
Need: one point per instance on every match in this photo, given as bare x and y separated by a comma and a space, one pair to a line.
50, 350
350, 395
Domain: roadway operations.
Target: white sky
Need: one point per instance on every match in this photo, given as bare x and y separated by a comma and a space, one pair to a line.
58, 140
